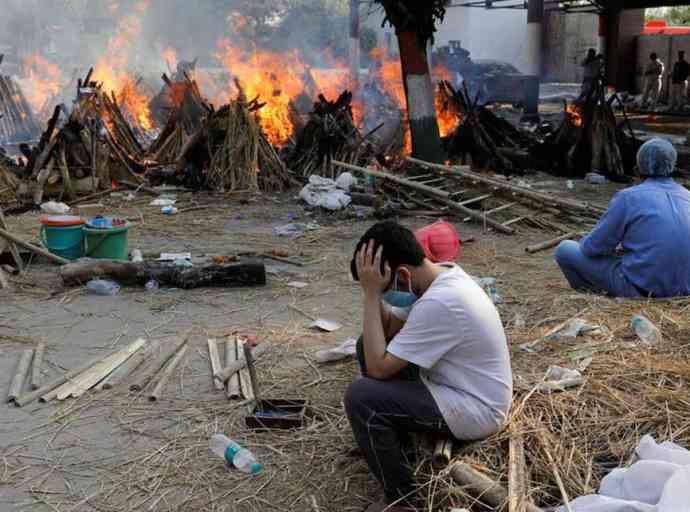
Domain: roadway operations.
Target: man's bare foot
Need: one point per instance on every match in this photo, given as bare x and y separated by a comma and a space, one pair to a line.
382, 506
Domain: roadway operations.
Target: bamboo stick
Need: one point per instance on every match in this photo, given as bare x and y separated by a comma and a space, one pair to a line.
236, 366
47, 392
247, 389
36, 369
214, 358
20, 375
156, 366
253, 380
78, 386
167, 372
233, 384
439, 195
125, 369
517, 473
548, 244
537, 196
42, 252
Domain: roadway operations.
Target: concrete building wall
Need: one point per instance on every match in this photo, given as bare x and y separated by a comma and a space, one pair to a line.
567, 37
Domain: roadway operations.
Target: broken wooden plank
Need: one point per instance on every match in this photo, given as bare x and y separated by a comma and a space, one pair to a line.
20, 375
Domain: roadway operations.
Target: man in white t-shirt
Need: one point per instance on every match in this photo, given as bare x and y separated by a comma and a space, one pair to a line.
452, 333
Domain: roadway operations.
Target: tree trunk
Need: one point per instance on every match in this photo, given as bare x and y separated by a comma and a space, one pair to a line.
421, 107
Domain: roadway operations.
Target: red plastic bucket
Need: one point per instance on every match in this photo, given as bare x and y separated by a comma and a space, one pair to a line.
440, 241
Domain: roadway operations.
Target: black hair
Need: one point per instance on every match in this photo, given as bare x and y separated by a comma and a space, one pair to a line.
653, 56
400, 247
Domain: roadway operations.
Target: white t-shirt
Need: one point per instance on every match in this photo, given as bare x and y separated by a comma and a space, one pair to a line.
455, 335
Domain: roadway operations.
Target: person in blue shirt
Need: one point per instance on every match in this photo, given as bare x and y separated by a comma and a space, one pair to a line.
641, 246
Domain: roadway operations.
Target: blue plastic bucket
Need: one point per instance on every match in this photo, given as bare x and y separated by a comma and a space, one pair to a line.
63, 236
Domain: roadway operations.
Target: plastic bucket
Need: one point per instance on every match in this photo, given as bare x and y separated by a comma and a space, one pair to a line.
109, 244
63, 236
440, 241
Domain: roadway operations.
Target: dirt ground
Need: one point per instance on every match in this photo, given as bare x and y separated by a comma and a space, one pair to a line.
113, 450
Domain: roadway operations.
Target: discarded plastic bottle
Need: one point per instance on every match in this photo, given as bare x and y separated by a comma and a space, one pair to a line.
234, 454
102, 287
646, 330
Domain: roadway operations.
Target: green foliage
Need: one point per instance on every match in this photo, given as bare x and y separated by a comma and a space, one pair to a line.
416, 16
679, 15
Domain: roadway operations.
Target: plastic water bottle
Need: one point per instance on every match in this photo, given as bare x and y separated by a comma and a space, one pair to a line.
646, 330
169, 210
102, 287
234, 454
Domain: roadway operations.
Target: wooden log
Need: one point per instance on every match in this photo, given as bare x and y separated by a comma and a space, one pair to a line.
156, 365
233, 384
82, 383
540, 197
438, 195
20, 375
36, 368
214, 358
548, 244
41, 252
167, 372
482, 487
443, 450
236, 366
250, 273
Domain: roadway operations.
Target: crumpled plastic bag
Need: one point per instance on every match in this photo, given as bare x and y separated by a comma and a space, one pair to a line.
574, 328
346, 349
324, 193
346, 181
558, 378
54, 208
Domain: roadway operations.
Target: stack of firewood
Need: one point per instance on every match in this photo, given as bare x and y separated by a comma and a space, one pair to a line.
329, 134
17, 120
490, 141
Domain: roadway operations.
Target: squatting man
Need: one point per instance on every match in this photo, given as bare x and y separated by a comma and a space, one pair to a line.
435, 361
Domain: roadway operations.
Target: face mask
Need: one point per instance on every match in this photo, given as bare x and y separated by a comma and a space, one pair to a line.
399, 299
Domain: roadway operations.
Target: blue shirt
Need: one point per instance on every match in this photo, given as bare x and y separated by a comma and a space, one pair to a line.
652, 223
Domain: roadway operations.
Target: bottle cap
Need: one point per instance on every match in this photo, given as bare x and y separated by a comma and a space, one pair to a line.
256, 468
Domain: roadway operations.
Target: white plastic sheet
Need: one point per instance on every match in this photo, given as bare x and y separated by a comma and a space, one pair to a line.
658, 482
324, 193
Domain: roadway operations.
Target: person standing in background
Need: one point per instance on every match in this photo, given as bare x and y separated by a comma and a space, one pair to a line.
652, 88
593, 68
679, 83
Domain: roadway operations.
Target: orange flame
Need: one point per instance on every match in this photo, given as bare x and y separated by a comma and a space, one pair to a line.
45, 79
574, 114
111, 69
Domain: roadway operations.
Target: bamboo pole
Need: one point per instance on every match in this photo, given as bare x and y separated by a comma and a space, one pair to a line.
167, 372
214, 358
253, 379
125, 369
85, 381
517, 473
156, 366
36, 368
531, 194
236, 366
20, 375
246, 385
440, 195
233, 384
42, 252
